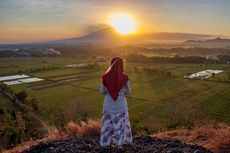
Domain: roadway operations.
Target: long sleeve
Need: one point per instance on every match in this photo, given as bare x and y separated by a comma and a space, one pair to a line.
127, 88
103, 90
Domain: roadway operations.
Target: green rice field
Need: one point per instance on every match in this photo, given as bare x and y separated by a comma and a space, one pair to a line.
155, 98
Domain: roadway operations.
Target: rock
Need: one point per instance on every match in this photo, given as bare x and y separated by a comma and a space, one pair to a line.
144, 144
175, 151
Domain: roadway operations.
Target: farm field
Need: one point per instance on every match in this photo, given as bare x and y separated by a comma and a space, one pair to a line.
69, 93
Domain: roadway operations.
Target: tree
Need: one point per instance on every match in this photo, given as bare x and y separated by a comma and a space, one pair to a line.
22, 95
213, 75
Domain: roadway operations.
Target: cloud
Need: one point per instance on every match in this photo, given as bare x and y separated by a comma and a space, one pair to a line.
197, 16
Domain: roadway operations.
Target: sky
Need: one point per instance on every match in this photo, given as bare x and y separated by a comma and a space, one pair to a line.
40, 20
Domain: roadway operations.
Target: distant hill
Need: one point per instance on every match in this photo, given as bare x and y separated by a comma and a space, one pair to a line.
216, 40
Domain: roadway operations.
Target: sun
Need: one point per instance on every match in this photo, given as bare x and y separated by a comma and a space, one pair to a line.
123, 23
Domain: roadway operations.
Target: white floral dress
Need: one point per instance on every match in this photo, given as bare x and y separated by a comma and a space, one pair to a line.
115, 119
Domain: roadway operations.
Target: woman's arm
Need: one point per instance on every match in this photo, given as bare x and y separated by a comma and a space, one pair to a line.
127, 88
103, 90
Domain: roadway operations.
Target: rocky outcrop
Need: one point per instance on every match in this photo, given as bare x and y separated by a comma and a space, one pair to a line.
144, 144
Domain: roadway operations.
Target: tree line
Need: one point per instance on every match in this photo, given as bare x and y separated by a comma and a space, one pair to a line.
175, 59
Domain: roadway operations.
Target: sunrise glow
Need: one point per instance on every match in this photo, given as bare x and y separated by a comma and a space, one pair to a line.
123, 23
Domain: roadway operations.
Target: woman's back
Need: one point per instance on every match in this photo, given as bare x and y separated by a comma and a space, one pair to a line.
120, 105
115, 119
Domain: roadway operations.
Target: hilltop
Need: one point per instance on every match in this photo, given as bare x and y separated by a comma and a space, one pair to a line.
84, 137
144, 144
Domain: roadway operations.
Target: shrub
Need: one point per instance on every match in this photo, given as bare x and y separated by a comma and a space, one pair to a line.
34, 104
22, 95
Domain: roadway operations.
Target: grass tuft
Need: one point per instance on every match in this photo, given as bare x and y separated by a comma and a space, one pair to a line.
83, 129
213, 137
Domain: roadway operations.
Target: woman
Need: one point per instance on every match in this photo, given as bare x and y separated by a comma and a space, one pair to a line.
115, 120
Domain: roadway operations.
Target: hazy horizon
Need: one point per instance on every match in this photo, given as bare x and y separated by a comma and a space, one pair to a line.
33, 21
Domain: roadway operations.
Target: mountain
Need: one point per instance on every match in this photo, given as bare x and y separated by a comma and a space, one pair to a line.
110, 36
101, 36
209, 43
216, 40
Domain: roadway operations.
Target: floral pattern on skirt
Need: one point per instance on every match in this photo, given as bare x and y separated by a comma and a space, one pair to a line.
115, 129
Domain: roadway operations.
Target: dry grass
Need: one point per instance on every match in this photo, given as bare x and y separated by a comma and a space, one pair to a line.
215, 138
82, 129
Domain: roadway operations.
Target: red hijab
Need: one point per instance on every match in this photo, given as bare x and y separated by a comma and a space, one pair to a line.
114, 79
